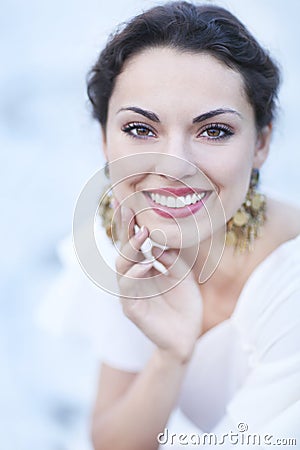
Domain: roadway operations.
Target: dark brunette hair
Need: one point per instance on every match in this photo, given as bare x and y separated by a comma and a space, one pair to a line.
188, 28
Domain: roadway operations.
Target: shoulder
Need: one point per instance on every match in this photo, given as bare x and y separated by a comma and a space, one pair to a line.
268, 312
283, 220
278, 249
276, 261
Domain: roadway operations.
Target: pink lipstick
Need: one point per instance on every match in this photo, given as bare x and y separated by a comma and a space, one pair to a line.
170, 202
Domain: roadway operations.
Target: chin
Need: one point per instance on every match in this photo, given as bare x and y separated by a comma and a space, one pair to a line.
176, 234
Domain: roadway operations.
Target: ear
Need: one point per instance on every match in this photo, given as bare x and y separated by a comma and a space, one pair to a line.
262, 146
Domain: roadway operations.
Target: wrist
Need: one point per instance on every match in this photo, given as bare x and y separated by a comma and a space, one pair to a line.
172, 358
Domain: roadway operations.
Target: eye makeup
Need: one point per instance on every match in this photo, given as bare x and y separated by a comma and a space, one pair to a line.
138, 130
214, 131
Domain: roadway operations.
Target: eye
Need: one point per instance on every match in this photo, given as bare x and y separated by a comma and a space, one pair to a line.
216, 131
138, 130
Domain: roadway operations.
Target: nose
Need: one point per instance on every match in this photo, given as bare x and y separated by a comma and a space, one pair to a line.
175, 160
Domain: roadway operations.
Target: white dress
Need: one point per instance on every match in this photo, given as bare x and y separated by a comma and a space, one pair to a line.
246, 370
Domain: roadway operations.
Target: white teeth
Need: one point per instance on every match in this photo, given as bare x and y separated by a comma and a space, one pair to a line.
177, 202
180, 202
188, 200
163, 200
171, 202
195, 198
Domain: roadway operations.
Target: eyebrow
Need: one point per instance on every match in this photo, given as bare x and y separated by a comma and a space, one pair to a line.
207, 115
149, 114
213, 113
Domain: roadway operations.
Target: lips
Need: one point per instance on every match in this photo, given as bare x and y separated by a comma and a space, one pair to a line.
176, 191
176, 202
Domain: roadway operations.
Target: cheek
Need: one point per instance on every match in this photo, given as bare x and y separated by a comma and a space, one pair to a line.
128, 172
114, 144
231, 175
234, 191
231, 164
124, 192
234, 174
127, 192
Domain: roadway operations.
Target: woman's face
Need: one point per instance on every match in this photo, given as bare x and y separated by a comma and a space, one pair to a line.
187, 119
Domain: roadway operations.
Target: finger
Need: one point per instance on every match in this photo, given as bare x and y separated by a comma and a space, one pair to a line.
128, 283
166, 257
138, 270
116, 218
172, 261
130, 254
127, 224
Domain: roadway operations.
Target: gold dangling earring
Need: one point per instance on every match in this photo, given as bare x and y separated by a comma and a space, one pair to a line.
106, 207
246, 225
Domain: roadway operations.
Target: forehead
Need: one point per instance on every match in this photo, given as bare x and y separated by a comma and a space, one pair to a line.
168, 79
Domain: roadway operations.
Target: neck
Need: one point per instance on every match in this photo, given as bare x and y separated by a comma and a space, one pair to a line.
216, 265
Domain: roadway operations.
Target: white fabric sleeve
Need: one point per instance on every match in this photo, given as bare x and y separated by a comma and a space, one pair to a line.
74, 305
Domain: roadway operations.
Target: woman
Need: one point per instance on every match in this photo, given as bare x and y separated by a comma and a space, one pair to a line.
189, 89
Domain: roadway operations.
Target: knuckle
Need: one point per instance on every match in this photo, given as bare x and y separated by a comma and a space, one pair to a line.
128, 307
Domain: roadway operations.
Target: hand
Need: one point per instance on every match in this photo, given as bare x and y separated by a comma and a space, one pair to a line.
167, 308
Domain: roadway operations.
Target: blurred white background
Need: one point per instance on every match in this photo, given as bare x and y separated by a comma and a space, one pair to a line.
49, 148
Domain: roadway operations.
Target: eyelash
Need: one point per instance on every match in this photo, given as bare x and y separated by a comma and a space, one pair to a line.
220, 127
212, 126
134, 126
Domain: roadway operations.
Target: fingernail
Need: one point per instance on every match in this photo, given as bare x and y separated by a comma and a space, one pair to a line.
141, 231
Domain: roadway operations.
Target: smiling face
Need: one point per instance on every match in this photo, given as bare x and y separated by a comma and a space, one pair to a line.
187, 119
